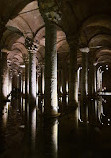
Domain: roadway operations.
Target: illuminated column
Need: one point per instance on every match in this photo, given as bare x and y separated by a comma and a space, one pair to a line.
3, 76
90, 75
32, 76
26, 76
79, 79
59, 82
42, 79
38, 74
51, 100
84, 76
73, 81
37, 89
19, 82
101, 76
9, 82
22, 83
99, 79
95, 79
39, 84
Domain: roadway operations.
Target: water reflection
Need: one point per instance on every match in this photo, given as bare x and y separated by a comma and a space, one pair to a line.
5, 114
84, 132
34, 119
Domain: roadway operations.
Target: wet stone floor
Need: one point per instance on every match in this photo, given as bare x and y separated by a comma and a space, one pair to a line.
81, 133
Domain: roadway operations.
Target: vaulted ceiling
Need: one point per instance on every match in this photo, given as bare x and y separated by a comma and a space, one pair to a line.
23, 18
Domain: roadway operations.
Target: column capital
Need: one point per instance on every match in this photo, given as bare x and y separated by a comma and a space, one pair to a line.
32, 52
84, 50
50, 10
26, 60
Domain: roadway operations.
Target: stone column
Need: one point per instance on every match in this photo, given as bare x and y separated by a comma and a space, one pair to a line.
39, 84
90, 75
73, 81
3, 76
32, 77
42, 79
79, 79
95, 79
101, 80
60, 88
51, 100
14, 82
26, 77
37, 88
98, 83
19, 82
84, 76
9, 82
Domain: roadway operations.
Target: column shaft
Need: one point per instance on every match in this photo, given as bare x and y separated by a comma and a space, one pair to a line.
42, 79
51, 101
3, 76
90, 75
84, 76
26, 77
73, 81
32, 76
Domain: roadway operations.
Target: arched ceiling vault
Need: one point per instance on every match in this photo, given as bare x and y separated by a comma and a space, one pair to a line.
91, 18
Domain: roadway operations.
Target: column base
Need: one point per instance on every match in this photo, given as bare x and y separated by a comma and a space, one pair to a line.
53, 114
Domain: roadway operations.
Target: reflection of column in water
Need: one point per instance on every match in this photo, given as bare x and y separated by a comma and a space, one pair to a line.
37, 101
33, 125
42, 105
5, 84
61, 89
55, 138
9, 86
96, 106
23, 105
60, 99
83, 112
79, 116
67, 86
42, 79
76, 117
47, 139
5, 114
78, 74
50, 139
27, 111
100, 107
37, 89
67, 99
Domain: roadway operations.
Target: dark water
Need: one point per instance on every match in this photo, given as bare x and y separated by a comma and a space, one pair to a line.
83, 133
